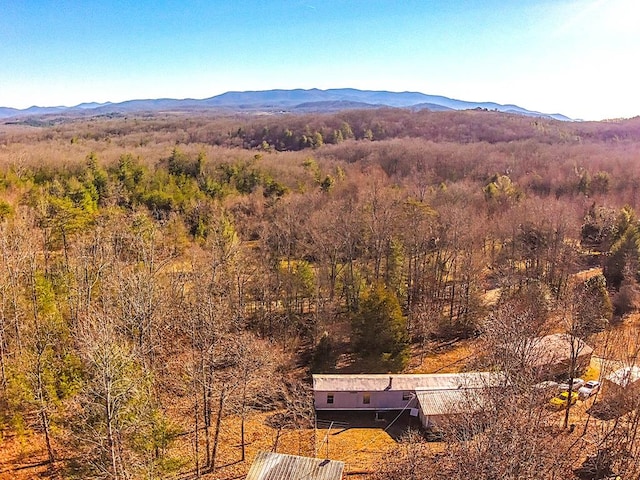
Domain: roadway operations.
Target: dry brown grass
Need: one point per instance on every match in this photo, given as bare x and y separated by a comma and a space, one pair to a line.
447, 359
23, 458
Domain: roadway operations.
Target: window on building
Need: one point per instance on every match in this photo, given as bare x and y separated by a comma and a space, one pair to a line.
366, 398
406, 396
329, 398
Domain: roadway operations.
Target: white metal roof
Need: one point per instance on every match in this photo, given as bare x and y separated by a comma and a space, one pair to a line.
278, 466
404, 382
625, 376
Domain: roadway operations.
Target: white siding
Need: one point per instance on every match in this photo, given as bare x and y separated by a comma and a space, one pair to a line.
354, 401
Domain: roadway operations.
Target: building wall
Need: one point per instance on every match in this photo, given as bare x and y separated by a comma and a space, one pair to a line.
389, 400
561, 368
432, 420
613, 391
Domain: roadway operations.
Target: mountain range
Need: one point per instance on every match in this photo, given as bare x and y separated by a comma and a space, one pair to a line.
279, 101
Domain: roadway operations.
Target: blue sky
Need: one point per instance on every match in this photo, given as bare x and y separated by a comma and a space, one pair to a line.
577, 57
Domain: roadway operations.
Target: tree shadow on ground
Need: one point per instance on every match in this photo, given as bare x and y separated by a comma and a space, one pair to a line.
608, 410
395, 423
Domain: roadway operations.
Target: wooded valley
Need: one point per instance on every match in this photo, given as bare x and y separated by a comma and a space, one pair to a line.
169, 282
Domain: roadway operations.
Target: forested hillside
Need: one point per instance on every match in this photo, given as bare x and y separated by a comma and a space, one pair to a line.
166, 279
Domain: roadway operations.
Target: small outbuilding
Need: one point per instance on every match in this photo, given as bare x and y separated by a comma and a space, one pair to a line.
551, 355
279, 466
435, 406
622, 384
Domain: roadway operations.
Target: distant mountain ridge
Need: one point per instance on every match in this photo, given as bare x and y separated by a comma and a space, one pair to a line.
276, 101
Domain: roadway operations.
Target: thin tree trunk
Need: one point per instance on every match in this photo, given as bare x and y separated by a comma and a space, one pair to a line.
45, 425
110, 437
575, 352
275, 443
44, 418
568, 407
217, 431
242, 414
196, 413
196, 410
206, 410
3, 354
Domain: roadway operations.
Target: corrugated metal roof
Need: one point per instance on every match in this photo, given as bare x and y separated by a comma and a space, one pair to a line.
444, 402
549, 349
278, 466
625, 376
404, 382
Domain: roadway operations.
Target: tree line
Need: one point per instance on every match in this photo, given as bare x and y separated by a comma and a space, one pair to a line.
151, 276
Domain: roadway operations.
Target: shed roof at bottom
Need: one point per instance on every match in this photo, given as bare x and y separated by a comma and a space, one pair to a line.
279, 466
